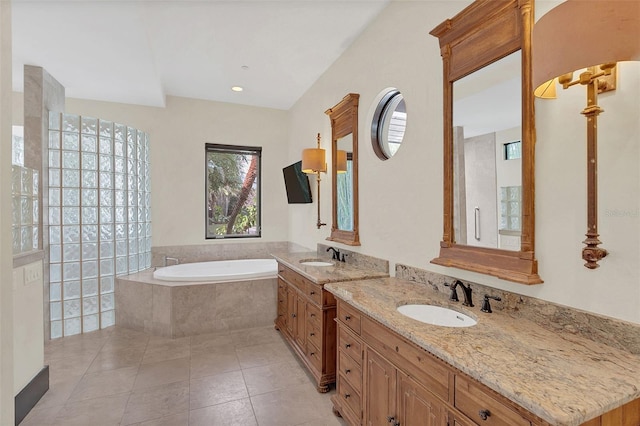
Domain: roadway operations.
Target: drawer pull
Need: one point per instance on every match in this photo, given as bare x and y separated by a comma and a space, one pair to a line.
312, 334
312, 315
484, 414
346, 395
293, 315
312, 354
347, 317
393, 421
347, 371
348, 345
312, 293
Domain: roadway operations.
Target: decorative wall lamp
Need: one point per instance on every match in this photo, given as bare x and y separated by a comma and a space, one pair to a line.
314, 162
589, 34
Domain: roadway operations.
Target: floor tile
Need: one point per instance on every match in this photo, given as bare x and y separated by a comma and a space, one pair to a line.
234, 413
163, 349
105, 383
255, 336
104, 411
157, 402
160, 373
269, 378
58, 393
181, 419
205, 344
293, 406
214, 363
212, 390
111, 358
42, 416
64, 369
265, 354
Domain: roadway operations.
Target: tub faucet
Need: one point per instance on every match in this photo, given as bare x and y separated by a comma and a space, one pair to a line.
173, 259
336, 254
468, 301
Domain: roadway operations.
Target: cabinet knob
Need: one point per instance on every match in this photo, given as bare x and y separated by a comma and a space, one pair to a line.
348, 345
312, 334
484, 414
347, 317
293, 315
312, 315
346, 395
312, 293
312, 354
347, 371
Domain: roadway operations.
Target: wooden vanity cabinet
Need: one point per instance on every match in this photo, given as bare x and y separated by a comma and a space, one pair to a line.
306, 315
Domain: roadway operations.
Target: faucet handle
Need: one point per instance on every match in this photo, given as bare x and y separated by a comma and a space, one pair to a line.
454, 293
486, 306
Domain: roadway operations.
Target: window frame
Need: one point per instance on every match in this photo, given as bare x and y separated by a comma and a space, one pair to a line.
233, 149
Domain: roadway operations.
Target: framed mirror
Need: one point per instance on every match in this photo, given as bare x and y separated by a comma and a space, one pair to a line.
489, 140
344, 170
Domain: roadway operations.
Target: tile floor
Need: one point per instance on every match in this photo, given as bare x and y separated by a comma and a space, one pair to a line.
118, 376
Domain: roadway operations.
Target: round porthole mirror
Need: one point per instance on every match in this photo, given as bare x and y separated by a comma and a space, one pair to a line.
388, 124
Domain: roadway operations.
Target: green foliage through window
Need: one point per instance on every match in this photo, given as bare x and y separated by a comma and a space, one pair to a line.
232, 191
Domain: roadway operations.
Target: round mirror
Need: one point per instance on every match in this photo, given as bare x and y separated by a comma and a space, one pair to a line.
388, 124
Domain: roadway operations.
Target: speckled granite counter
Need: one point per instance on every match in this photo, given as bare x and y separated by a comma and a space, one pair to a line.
339, 271
562, 378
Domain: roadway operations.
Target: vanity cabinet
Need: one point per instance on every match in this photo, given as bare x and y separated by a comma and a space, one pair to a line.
306, 315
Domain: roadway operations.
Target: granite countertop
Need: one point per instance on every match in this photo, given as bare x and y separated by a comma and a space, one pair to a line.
339, 271
562, 378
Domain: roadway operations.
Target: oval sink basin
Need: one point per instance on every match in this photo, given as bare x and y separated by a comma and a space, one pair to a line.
315, 263
437, 315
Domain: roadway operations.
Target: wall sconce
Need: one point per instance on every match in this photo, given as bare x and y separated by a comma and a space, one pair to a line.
341, 161
314, 162
575, 35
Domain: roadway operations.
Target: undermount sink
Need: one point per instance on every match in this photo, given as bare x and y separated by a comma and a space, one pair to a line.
437, 315
314, 262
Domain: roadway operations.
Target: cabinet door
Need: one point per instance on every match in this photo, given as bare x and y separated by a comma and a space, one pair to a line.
281, 321
292, 308
380, 389
417, 406
301, 319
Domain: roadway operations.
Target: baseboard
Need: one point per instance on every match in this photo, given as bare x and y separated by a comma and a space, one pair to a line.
31, 394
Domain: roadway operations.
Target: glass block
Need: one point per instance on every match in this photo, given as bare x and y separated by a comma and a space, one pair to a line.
16, 176
90, 323
119, 198
503, 208
26, 238
503, 222
71, 290
132, 198
133, 247
90, 287
35, 241
133, 231
121, 231
89, 251
89, 197
89, 125
71, 123
121, 248
71, 179
55, 253
26, 210
55, 293
54, 177
118, 148
55, 235
89, 269
54, 139
72, 326
106, 163
121, 265
106, 232
90, 305
71, 234
70, 160
106, 197
106, 285
141, 261
89, 233
119, 181
89, 179
148, 244
106, 249
89, 215
119, 215
71, 252
36, 182
26, 181
106, 180
16, 211
514, 207
132, 135
71, 308
54, 272
141, 199
89, 161
148, 225
106, 266
514, 223
141, 230
147, 260
54, 215
107, 301
70, 141
105, 146
106, 128
118, 165
70, 215
132, 182
120, 131
141, 216
70, 271
54, 158
15, 234
108, 318
54, 120
133, 263
55, 310
131, 155
35, 211
56, 329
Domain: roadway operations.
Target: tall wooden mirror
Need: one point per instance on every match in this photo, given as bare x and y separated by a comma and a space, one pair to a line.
489, 200
344, 170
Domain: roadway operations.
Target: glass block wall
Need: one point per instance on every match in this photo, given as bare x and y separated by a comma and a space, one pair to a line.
99, 217
24, 197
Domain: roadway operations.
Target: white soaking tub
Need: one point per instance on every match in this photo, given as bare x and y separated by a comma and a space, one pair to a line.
218, 271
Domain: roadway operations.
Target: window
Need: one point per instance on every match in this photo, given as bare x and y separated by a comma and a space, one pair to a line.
232, 191
510, 209
513, 150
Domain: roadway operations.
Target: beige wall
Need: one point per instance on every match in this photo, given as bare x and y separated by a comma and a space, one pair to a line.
401, 198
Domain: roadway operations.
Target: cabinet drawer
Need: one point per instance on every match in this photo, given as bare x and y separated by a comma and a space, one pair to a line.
315, 356
314, 334
314, 316
293, 277
349, 316
350, 371
350, 345
348, 395
314, 293
483, 408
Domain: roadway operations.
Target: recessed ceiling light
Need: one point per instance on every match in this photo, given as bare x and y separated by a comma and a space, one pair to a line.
237, 89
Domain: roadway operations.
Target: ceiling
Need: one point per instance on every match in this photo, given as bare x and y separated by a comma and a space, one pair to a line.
139, 51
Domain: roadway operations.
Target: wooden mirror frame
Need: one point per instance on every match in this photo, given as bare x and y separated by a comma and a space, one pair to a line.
482, 33
344, 120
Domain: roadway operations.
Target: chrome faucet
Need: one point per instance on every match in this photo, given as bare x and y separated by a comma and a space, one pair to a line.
173, 259
468, 301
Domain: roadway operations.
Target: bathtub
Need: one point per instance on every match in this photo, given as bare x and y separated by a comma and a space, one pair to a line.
199, 298
218, 271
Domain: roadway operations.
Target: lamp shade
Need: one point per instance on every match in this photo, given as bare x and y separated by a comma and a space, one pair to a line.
582, 33
313, 160
341, 161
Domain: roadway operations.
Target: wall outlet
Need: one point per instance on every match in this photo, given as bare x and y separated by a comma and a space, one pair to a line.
33, 273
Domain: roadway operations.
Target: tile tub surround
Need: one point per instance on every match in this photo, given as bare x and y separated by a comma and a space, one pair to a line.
340, 271
560, 377
557, 318
146, 304
354, 258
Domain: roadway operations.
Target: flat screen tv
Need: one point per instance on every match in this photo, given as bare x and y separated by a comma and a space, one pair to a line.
297, 184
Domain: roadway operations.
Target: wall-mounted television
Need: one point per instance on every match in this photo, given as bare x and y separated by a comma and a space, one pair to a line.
297, 184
